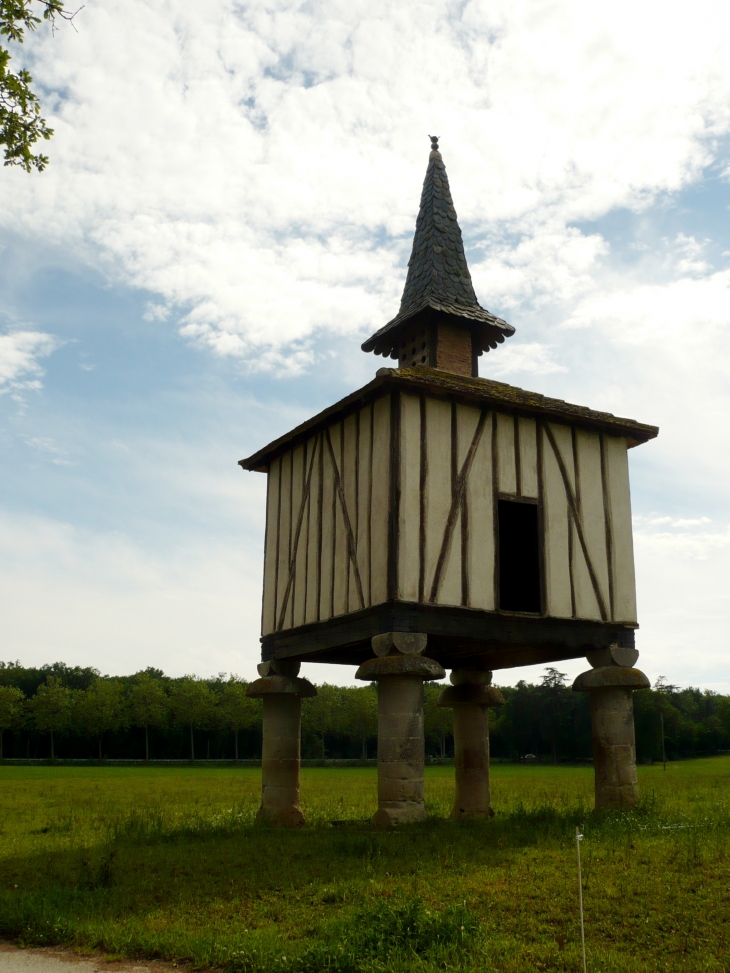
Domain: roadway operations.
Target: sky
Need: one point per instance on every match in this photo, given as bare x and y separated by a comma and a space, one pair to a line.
228, 213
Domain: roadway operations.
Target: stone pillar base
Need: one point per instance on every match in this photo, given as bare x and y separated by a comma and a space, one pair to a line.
614, 742
470, 696
285, 817
400, 725
406, 813
282, 694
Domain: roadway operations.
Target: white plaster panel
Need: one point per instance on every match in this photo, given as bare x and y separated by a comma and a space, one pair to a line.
619, 496
506, 470
284, 533
481, 524
325, 581
467, 420
363, 501
272, 503
438, 490
380, 502
350, 462
295, 610
528, 458
341, 560
409, 521
312, 536
593, 522
555, 510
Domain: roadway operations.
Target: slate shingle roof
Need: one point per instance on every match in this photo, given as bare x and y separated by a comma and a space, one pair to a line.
438, 276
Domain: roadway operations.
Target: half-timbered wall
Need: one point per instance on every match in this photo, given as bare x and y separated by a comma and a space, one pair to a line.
399, 501
327, 522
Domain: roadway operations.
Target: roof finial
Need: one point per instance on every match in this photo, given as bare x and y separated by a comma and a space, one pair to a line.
434, 143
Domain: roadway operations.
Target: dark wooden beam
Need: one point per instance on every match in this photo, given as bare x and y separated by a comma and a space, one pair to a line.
455, 635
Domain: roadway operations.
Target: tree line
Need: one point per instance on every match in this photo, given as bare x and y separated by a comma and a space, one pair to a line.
59, 711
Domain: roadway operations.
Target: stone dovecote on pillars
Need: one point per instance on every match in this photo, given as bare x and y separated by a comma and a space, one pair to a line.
491, 524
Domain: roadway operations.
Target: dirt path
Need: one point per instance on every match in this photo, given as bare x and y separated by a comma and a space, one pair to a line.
14, 960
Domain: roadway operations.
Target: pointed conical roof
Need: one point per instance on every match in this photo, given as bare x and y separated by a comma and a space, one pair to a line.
438, 277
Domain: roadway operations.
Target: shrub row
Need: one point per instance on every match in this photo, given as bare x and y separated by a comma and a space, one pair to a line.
63, 711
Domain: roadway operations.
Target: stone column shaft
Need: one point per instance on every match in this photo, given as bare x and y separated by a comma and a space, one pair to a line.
281, 692
281, 760
401, 754
471, 762
614, 741
614, 748
470, 696
400, 672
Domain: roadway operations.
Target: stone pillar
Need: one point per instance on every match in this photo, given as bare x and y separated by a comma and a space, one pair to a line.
610, 683
470, 696
400, 670
281, 691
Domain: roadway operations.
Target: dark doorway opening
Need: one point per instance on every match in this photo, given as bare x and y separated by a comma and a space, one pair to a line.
519, 557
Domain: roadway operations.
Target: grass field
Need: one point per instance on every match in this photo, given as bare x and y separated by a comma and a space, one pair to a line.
167, 863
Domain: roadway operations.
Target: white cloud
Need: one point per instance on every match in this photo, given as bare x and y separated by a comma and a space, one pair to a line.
156, 312
259, 167
683, 600
20, 352
554, 265
654, 520
692, 252
48, 446
659, 351
530, 358
685, 310
690, 544
109, 603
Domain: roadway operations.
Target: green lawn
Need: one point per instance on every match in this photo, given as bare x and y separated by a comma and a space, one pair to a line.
167, 862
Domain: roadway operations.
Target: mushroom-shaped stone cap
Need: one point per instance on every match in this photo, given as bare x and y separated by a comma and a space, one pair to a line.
610, 677
279, 667
613, 655
403, 643
475, 677
400, 665
479, 695
282, 685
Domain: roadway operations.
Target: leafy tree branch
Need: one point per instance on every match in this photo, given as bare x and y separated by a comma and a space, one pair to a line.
21, 123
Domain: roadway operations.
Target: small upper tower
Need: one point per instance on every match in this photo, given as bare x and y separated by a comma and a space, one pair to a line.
440, 322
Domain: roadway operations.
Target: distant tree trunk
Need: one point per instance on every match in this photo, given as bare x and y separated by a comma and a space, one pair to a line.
1, 744
443, 746
236, 736
99, 742
146, 745
192, 745
364, 748
322, 745
555, 750
53, 753
208, 752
